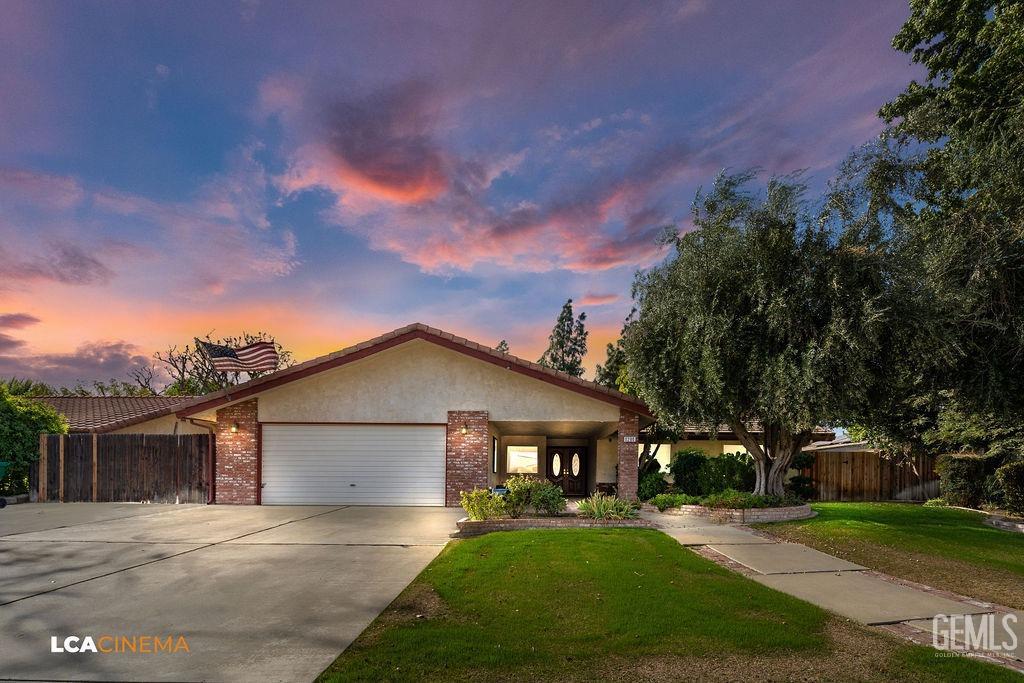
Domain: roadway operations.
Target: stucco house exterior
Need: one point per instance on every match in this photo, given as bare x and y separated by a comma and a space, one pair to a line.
412, 417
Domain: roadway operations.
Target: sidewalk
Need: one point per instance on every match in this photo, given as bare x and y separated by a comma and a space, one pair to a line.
834, 584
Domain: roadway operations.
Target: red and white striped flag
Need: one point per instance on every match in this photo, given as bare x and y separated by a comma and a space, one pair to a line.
257, 357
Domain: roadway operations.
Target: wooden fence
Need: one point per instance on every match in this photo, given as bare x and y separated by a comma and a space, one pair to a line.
865, 475
156, 468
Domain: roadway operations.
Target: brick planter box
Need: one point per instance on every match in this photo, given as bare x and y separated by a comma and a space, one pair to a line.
751, 515
468, 527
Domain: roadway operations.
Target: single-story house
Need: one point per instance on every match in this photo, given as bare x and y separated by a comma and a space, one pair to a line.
412, 417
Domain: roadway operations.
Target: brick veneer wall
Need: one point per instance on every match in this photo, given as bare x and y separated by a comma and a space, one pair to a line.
629, 425
466, 455
237, 454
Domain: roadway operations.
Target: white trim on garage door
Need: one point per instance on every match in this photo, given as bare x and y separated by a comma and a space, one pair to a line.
353, 464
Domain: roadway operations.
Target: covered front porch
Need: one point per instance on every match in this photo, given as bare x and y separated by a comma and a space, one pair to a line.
582, 457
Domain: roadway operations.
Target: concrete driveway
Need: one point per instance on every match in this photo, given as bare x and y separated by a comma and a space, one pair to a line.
259, 593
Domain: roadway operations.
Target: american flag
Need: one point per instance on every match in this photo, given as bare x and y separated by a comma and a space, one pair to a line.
257, 357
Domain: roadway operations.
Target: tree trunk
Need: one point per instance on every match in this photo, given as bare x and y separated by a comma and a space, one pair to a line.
772, 455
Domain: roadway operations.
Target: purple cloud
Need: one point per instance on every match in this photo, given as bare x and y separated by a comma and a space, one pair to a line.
9, 343
17, 321
62, 262
90, 361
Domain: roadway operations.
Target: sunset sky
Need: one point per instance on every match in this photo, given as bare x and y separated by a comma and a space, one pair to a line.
327, 172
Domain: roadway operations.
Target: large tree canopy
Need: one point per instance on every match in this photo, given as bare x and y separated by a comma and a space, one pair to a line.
960, 177
765, 313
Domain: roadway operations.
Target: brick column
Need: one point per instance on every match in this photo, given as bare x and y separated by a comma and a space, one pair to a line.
628, 469
237, 454
466, 455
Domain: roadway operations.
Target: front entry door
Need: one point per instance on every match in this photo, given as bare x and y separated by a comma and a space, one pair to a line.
567, 467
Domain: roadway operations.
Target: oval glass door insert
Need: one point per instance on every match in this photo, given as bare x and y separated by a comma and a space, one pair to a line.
556, 465
575, 464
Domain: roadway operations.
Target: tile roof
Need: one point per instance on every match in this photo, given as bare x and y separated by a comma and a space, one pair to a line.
843, 444
402, 334
104, 413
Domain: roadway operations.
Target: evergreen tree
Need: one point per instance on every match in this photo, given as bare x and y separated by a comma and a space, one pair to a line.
567, 344
615, 362
502, 346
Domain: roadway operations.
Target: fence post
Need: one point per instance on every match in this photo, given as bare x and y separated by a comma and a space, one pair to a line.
95, 468
43, 457
60, 487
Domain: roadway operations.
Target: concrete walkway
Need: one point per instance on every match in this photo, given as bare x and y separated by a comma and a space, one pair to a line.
821, 579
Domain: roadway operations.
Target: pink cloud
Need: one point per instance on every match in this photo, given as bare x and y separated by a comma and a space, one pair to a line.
35, 188
397, 185
591, 299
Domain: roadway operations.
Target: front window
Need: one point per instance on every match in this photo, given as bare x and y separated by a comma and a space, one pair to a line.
521, 459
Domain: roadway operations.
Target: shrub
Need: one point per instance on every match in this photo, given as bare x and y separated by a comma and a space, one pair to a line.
936, 503
742, 500
481, 504
21, 422
600, 506
547, 499
684, 467
726, 471
1011, 476
961, 478
802, 461
518, 497
664, 501
651, 485
801, 487
992, 492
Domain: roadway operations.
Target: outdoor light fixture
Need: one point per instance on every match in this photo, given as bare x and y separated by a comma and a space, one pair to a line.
465, 428
234, 427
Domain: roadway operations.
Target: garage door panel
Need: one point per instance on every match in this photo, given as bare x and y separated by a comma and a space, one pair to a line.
354, 464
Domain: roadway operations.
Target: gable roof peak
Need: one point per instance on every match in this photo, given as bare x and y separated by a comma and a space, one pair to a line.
397, 337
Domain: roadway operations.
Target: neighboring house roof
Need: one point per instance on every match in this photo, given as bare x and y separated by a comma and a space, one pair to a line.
843, 445
400, 336
105, 413
822, 434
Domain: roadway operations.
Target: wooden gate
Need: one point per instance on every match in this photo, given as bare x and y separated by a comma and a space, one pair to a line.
866, 475
156, 468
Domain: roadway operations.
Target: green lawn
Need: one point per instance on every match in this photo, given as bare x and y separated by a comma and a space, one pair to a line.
942, 547
575, 605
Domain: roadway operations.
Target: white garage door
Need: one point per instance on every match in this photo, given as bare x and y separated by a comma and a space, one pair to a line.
353, 464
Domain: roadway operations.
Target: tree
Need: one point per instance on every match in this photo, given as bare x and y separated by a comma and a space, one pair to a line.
192, 374
959, 173
27, 387
766, 314
22, 420
654, 435
615, 362
567, 344
502, 346
114, 387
